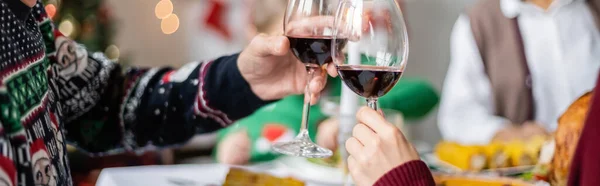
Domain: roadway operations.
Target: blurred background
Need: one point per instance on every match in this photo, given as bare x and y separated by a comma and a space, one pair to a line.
173, 32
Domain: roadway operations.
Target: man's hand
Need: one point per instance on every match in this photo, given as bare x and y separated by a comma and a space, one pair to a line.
376, 147
273, 72
524, 132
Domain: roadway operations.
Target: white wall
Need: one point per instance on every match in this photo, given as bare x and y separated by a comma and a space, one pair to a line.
139, 34
430, 23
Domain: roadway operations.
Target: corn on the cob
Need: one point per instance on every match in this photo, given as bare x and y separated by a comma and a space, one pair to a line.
496, 156
520, 154
463, 157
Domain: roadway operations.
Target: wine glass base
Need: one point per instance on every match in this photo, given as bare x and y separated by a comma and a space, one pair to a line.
302, 148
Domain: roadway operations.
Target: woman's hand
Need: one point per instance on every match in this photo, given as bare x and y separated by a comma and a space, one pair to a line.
376, 147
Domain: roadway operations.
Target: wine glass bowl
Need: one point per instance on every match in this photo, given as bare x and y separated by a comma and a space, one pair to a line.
377, 46
308, 24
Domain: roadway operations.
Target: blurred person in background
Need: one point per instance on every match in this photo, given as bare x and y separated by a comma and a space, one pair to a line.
53, 91
251, 138
516, 65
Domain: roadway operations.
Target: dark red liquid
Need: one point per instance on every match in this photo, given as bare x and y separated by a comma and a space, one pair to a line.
315, 51
369, 81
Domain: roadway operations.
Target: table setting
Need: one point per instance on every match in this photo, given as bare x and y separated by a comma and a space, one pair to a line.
215, 173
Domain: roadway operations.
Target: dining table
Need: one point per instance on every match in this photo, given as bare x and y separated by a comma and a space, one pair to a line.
208, 173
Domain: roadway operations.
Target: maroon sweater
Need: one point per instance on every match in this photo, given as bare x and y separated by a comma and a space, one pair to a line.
585, 167
413, 173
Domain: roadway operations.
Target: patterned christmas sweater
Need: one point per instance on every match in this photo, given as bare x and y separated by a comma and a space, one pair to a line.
53, 91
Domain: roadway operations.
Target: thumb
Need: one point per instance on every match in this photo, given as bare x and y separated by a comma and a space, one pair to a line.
264, 45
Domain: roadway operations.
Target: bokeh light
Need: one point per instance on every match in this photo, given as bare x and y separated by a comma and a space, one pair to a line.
163, 9
66, 27
112, 52
50, 10
170, 24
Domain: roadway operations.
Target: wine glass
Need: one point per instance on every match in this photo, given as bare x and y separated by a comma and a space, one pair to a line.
308, 24
377, 46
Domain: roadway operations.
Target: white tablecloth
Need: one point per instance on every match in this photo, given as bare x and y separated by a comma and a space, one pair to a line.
170, 175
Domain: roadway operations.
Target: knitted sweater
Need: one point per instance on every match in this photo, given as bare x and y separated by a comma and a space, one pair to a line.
53, 91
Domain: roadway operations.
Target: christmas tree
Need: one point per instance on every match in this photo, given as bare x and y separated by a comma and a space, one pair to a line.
88, 22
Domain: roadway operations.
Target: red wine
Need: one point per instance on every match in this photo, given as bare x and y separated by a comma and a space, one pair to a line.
315, 51
369, 81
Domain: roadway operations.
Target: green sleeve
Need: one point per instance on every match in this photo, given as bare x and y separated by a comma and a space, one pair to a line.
286, 112
413, 97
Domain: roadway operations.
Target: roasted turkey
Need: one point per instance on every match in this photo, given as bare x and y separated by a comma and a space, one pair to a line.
566, 137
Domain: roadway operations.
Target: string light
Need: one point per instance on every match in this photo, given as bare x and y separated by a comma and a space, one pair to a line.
50, 10
169, 21
170, 24
112, 52
66, 27
163, 9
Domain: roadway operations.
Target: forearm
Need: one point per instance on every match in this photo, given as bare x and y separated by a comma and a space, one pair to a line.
160, 106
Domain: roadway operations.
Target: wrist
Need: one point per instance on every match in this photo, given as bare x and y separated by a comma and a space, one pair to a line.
265, 91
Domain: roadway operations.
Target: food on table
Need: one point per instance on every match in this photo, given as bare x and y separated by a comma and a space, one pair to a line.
567, 134
518, 155
242, 177
540, 172
524, 153
496, 156
476, 180
463, 157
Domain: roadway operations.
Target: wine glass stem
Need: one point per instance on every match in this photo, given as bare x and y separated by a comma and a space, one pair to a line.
372, 103
307, 93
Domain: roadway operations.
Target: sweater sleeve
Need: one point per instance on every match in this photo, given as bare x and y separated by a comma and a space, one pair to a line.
413, 173
108, 108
